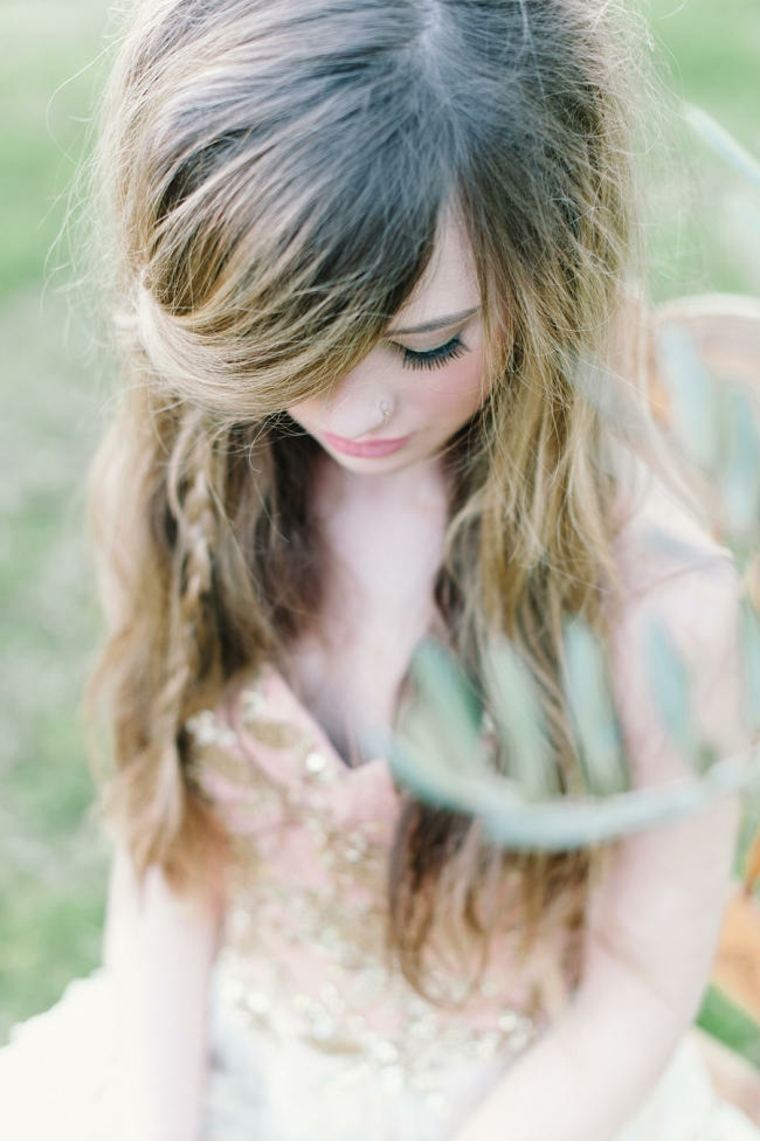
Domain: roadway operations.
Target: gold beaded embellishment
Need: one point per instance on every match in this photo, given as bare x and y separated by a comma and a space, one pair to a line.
302, 955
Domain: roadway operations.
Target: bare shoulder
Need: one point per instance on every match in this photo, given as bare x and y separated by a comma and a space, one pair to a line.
663, 536
677, 575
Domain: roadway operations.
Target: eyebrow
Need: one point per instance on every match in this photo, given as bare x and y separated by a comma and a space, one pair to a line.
437, 323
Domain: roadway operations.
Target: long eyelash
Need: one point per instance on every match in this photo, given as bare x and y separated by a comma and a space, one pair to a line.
435, 358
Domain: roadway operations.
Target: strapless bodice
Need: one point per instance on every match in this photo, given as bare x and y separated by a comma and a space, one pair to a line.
303, 951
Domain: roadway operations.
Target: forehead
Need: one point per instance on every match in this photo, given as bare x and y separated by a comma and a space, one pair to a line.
449, 284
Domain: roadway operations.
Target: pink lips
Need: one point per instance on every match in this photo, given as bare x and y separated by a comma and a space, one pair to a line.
368, 449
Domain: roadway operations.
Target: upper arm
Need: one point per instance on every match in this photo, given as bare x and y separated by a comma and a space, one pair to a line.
156, 919
159, 950
657, 913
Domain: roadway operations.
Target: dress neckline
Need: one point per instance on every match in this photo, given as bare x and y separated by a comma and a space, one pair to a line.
281, 698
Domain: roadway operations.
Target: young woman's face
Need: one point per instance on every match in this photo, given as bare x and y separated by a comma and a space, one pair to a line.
429, 381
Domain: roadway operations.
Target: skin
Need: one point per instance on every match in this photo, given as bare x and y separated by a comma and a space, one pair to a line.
428, 404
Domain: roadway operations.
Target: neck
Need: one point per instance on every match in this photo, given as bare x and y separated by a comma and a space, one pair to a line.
404, 488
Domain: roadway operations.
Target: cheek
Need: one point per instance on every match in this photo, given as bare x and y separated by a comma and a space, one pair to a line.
454, 394
306, 413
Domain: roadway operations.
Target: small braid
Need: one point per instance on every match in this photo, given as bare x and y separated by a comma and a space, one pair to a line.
191, 644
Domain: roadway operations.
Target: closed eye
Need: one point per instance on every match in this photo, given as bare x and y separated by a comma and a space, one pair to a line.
433, 358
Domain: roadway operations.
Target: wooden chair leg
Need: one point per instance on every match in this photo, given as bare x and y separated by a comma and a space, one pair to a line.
737, 972
736, 969
752, 868
734, 1079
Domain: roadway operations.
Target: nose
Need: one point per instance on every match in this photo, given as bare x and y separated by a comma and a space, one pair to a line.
357, 411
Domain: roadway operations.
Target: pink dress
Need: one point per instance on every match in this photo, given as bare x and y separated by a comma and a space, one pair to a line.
312, 1035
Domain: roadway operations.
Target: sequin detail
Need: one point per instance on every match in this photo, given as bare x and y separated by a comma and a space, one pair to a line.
302, 955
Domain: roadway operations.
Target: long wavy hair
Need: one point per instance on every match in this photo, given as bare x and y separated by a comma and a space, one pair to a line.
272, 175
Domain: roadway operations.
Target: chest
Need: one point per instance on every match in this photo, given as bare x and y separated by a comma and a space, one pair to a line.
347, 667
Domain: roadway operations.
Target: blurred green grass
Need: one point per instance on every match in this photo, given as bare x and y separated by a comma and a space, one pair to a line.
703, 221
53, 862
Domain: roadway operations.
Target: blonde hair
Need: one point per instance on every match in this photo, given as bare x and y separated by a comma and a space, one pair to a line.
273, 175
